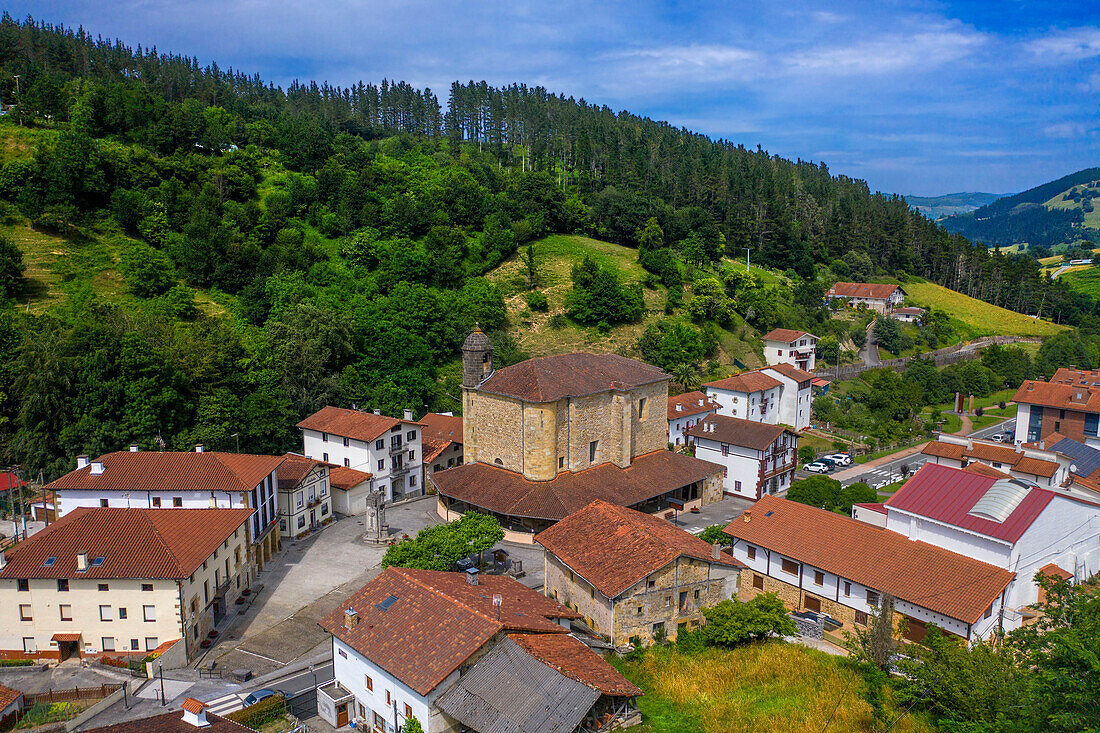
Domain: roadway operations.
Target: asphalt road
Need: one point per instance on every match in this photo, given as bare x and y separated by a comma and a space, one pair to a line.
893, 468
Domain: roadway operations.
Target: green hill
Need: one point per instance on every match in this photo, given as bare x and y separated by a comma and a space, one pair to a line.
937, 207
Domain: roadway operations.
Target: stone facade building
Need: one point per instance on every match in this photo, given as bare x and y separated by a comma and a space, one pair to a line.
633, 576
544, 437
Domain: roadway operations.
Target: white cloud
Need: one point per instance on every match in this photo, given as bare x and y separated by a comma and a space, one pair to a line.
889, 54
713, 61
1066, 130
1067, 46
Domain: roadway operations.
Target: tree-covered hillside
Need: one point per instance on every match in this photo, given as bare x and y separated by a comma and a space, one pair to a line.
209, 258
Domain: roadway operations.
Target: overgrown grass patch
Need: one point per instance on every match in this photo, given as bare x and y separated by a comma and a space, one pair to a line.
979, 317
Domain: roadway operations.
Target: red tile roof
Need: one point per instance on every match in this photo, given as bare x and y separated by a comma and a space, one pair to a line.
1083, 377
786, 335
551, 378
171, 471
1055, 571
948, 494
1036, 467
497, 489
294, 469
1062, 396
789, 371
572, 658
173, 723
134, 543
436, 621
982, 469
192, 705
909, 311
439, 433
943, 449
346, 478
10, 480
878, 291
365, 426
992, 453
913, 571
690, 403
746, 382
736, 431
8, 696
613, 547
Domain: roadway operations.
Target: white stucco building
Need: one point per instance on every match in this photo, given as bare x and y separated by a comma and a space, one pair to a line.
305, 495
788, 346
389, 448
880, 297
759, 458
686, 410
776, 395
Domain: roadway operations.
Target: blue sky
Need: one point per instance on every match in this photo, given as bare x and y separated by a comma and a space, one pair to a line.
915, 97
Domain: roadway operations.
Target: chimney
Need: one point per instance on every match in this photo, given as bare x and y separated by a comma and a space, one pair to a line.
81, 561
97, 468
81, 462
134, 447
471, 576
376, 411
351, 618
748, 515
194, 713
199, 447
409, 415
715, 551
701, 401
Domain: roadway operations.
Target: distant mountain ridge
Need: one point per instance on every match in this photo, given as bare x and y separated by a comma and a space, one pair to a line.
1054, 213
937, 207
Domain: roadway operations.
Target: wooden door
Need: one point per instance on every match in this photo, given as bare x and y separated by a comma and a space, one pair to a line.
915, 630
341, 715
812, 604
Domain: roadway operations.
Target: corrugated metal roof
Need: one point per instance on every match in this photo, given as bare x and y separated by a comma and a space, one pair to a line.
509, 691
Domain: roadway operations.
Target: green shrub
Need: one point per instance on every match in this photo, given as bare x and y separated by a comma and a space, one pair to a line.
537, 301
16, 662
732, 622
714, 534
263, 712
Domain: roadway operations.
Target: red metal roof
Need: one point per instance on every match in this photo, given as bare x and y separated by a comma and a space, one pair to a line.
947, 494
880, 508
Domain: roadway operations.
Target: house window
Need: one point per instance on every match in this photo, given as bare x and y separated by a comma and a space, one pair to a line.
29, 644
324, 457
148, 587
347, 463
324, 509
412, 481
648, 583
107, 643
301, 521
847, 588
725, 449
177, 501
872, 598
342, 653
121, 614
66, 612
641, 408
561, 462
104, 613
861, 618
640, 609
23, 584
346, 442
149, 612
819, 577
324, 437
151, 643
369, 681
103, 502
282, 525
408, 711
988, 611
758, 582
668, 601
381, 464
134, 644
388, 699
299, 500
156, 502
750, 551
592, 450
658, 627
379, 444
25, 612
736, 485
790, 566
379, 722
412, 455
410, 436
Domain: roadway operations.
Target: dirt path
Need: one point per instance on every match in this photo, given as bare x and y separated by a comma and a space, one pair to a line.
967, 426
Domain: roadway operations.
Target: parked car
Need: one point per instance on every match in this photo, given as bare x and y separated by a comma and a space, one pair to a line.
841, 459
257, 696
817, 467
999, 438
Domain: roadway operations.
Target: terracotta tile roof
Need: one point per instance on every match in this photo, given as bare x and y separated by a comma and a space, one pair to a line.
346, 478
173, 723
8, 696
690, 403
789, 371
948, 494
879, 291
1082, 377
436, 621
785, 335
982, 469
1036, 467
746, 382
192, 705
73, 636
134, 543
613, 547
993, 452
294, 469
942, 449
439, 433
913, 571
497, 489
365, 426
1062, 396
551, 378
736, 431
909, 311
1055, 571
172, 471
572, 658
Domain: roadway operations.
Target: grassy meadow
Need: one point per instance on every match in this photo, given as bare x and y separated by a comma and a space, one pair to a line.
979, 317
759, 688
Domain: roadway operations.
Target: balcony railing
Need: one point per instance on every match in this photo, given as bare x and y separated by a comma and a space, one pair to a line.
400, 448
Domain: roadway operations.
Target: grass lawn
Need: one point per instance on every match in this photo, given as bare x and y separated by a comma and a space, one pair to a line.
763, 688
1084, 280
980, 317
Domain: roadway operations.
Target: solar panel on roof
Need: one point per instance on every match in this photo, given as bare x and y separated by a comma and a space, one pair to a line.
390, 600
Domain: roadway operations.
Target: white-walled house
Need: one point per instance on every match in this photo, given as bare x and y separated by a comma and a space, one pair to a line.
686, 410
180, 480
879, 297
788, 346
305, 496
125, 581
797, 398
748, 395
389, 448
1040, 467
1004, 522
420, 643
350, 489
759, 458
820, 561
908, 315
